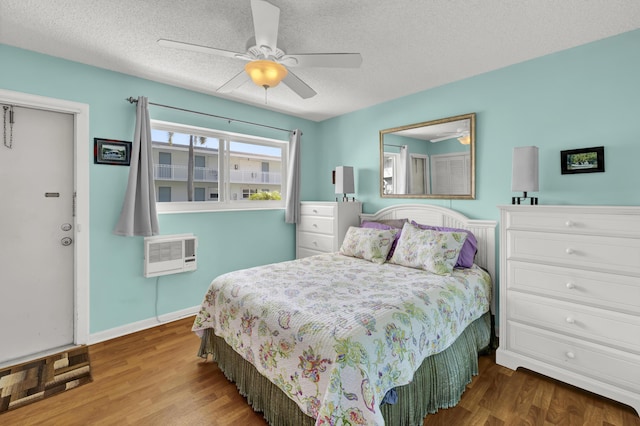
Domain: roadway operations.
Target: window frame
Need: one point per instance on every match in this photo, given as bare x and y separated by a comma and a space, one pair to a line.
226, 204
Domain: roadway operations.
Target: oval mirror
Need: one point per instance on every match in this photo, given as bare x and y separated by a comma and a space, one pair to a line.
433, 159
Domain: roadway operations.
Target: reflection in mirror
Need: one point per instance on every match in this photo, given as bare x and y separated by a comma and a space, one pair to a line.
434, 159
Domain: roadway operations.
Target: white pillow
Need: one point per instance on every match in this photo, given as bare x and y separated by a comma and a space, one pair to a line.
431, 250
368, 244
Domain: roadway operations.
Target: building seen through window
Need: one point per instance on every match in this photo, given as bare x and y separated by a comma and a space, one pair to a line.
208, 166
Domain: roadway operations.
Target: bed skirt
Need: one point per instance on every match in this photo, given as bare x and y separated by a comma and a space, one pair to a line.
438, 383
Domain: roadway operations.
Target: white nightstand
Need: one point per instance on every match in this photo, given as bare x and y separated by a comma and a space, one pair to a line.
323, 226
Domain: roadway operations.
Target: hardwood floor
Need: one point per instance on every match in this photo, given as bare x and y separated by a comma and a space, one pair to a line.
155, 378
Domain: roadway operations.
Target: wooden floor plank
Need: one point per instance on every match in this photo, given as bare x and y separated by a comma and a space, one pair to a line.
155, 378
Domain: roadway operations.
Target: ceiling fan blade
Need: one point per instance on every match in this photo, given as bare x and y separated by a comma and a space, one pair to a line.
326, 60
300, 87
444, 138
237, 81
197, 48
266, 18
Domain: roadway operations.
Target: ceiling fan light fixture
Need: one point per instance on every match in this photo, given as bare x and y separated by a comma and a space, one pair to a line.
266, 73
465, 140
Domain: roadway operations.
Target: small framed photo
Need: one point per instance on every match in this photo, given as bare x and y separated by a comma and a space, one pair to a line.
583, 160
109, 151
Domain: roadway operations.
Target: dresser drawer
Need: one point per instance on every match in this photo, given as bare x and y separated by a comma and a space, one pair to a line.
316, 210
303, 252
322, 225
570, 221
319, 242
619, 292
607, 365
618, 255
606, 327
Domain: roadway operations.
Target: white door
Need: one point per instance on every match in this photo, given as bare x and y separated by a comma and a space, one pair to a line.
36, 235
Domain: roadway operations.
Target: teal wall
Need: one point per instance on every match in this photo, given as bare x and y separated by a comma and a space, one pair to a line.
582, 97
119, 294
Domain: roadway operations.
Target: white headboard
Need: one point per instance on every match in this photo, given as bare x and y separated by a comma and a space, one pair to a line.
483, 230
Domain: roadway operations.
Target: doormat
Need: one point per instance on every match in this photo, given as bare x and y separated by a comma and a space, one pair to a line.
35, 380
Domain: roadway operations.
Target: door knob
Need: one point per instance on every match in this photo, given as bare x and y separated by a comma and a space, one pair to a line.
66, 241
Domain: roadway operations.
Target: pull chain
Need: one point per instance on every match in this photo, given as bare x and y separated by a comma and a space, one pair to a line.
10, 110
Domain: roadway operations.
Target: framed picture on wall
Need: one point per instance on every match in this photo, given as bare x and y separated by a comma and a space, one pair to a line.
583, 160
109, 151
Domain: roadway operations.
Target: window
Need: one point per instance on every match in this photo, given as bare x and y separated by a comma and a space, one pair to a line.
229, 170
164, 194
199, 169
390, 173
199, 194
164, 165
246, 193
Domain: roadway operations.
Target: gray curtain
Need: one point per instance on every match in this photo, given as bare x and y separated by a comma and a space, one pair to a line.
292, 214
138, 215
403, 170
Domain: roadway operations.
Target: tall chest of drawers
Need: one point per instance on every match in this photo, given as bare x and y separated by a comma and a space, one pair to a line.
570, 296
323, 226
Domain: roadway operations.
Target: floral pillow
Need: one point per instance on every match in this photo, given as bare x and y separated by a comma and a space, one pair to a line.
368, 244
469, 248
428, 249
387, 224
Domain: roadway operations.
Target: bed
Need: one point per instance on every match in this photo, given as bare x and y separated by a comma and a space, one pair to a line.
359, 336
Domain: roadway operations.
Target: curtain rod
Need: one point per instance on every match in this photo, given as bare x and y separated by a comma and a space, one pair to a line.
389, 144
132, 100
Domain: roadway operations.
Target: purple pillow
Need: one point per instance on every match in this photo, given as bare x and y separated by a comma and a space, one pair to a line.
469, 248
384, 226
396, 223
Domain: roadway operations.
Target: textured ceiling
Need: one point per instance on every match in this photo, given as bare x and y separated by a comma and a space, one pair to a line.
407, 45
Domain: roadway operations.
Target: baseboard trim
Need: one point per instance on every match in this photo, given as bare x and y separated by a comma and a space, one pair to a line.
134, 327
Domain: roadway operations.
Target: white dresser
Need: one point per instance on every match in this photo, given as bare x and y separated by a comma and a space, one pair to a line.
323, 226
570, 296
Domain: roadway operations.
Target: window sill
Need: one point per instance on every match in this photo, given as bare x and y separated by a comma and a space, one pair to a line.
209, 207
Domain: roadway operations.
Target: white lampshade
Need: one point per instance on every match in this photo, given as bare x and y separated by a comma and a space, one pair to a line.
524, 172
344, 180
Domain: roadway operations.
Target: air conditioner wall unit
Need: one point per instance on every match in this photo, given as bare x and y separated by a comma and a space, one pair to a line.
170, 254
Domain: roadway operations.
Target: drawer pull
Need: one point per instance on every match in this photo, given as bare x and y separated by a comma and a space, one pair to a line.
315, 210
571, 285
570, 355
315, 225
568, 224
570, 320
315, 243
569, 251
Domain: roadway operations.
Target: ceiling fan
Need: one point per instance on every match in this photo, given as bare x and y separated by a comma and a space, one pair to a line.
450, 135
267, 64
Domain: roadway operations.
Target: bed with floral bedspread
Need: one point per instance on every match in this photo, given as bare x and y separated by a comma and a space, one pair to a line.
335, 333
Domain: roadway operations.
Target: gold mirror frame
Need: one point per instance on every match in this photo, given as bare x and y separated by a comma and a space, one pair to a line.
422, 139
